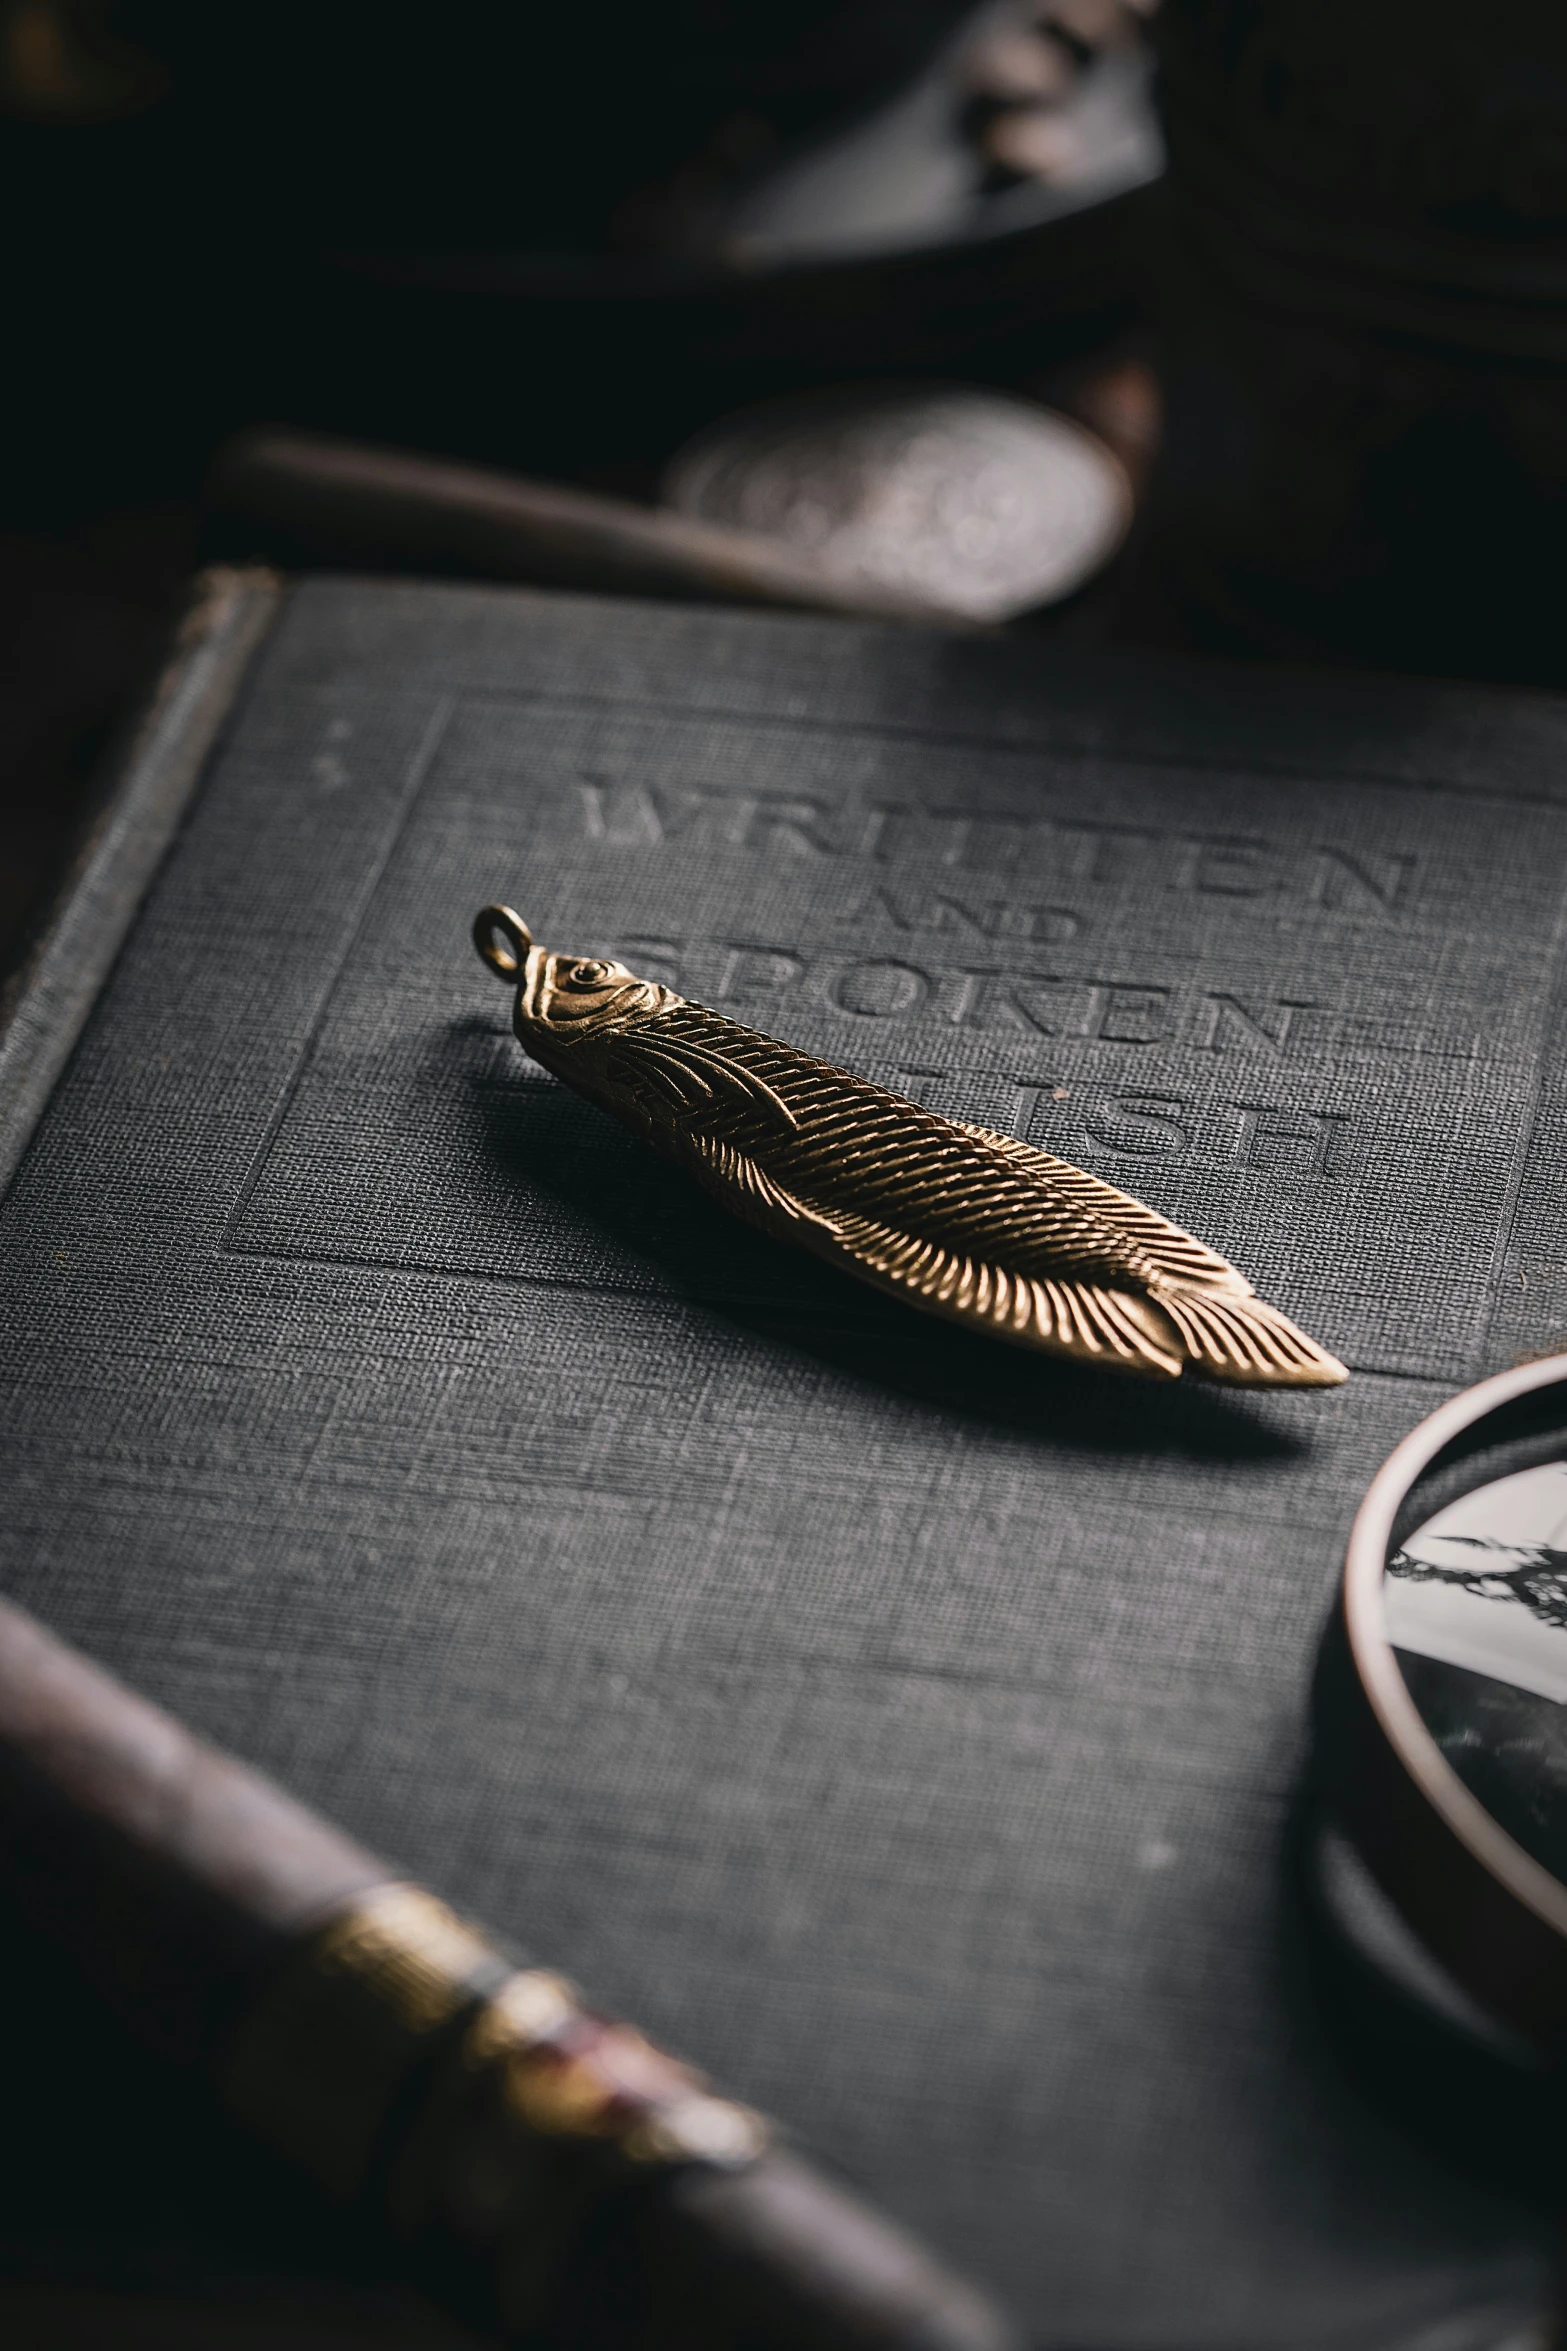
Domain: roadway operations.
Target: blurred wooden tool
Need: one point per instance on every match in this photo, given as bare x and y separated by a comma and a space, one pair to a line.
518, 2143
343, 502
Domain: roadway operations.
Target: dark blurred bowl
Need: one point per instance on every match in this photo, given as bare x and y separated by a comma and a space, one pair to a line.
534, 243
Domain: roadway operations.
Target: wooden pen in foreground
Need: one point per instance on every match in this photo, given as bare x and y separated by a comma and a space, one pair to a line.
507, 2133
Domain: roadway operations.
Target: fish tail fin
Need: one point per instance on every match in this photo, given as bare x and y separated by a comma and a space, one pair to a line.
1234, 1337
1091, 1321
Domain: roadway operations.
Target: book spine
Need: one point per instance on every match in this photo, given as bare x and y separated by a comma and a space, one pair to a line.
45, 1004
510, 2135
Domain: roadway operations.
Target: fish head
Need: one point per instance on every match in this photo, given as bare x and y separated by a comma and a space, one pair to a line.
562, 998
572, 996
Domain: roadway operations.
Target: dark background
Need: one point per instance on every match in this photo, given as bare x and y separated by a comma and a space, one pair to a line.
472, 230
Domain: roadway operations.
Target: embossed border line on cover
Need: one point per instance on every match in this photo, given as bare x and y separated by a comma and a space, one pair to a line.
445, 710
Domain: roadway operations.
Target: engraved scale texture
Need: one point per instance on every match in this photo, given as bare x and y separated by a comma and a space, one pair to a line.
900, 1726
980, 1227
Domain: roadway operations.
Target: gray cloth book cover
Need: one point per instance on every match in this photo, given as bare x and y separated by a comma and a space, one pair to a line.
899, 1725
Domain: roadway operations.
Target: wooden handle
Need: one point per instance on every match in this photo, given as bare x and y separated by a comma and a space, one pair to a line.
176, 1876
344, 502
507, 2131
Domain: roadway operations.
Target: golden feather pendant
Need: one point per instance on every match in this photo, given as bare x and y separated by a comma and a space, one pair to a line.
968, 1224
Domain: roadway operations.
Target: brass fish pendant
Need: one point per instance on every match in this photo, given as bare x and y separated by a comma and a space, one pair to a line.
953, 1218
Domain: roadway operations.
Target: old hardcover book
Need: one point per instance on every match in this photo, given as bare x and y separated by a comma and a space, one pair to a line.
901, 1726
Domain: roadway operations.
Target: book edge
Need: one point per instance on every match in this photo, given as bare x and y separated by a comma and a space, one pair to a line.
46, 1008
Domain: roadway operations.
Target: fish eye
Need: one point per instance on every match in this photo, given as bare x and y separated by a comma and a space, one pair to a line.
587, 974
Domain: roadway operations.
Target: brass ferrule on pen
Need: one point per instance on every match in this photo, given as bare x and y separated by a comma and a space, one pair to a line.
505, 2133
